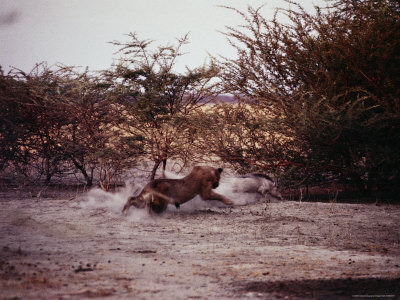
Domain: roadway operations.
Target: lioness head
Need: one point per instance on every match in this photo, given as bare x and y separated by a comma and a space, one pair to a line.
215, 181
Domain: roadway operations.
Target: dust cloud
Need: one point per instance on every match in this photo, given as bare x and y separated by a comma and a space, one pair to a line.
113, 202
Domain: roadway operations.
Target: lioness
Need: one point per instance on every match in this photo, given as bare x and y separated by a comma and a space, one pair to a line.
157, 194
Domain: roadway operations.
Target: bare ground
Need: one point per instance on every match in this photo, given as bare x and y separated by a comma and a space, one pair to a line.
60, 246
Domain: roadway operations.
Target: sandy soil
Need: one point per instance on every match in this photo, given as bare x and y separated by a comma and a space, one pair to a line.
66, 245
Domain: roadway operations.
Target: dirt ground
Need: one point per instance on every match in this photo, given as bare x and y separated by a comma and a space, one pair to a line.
69, 245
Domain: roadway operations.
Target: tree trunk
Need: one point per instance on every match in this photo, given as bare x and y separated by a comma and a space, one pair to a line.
106, 180
48, 179
47, 170
153, 172
164, 165
89, 179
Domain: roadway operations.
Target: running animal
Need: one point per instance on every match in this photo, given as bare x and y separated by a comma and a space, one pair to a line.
256, 183
158, 193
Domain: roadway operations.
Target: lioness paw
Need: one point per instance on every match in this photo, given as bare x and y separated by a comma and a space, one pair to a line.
228, 202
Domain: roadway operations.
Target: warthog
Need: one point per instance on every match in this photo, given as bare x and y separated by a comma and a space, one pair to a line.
256, 183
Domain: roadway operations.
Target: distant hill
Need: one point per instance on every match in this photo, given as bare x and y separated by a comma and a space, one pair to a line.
226, 98
223, 98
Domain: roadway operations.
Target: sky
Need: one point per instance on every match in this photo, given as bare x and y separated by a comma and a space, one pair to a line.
78, 32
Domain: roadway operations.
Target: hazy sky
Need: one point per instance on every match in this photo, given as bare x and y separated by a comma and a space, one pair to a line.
77, 32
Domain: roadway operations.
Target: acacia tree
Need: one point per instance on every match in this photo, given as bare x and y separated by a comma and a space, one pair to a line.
155, 102
32, 121
330, 81
58, 121
87, 131
12, 134
88, 139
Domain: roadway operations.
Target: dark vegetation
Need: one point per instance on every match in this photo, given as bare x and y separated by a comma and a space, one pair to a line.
317, 104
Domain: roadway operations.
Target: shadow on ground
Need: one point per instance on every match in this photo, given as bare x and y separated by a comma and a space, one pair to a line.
371, 288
